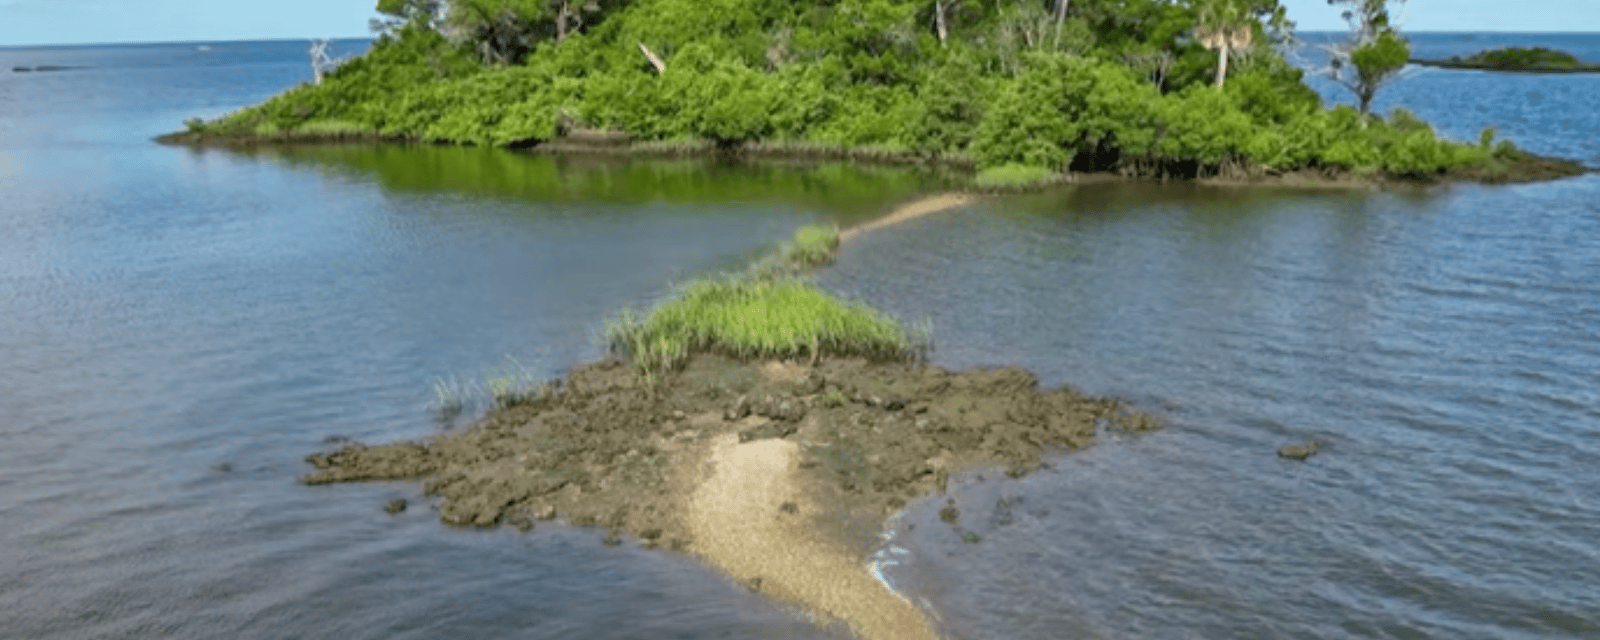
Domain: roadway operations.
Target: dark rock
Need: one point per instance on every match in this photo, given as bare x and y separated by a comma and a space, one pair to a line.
522, 520
740, 409
768, 430
395, 506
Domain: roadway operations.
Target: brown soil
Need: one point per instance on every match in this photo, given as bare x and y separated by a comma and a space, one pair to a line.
781, 474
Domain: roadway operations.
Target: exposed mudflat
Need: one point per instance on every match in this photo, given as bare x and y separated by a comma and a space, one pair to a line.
909, 211
781, 474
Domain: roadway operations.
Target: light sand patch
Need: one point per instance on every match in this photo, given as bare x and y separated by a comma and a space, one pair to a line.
917, 209
739, 524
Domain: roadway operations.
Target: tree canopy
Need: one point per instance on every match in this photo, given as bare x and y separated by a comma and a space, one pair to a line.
1133, 86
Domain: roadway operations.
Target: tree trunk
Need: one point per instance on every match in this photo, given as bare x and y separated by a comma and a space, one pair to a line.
1222, 63
561, 22
1061, 19
938, 20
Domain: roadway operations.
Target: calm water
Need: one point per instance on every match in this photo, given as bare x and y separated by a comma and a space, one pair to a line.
166, 312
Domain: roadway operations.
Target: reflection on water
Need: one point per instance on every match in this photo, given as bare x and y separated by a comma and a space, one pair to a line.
849, 191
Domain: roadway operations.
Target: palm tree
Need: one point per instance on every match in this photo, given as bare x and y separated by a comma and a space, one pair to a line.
1224, 25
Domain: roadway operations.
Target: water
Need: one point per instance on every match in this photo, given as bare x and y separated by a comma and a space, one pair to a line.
165, 312
178, 328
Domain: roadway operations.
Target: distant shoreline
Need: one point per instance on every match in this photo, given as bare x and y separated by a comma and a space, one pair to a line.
1450, 63
1529, 168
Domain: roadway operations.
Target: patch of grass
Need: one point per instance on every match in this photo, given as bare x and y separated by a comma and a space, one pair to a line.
1014, 176
833, 398
451, 396
509, 386
813, 246
756, 317
513, 385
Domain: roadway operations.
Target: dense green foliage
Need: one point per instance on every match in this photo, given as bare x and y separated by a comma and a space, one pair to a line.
1116, 85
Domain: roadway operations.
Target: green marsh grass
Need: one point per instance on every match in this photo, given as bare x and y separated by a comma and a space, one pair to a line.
1014, 176
508, 386
813, 246
758, 317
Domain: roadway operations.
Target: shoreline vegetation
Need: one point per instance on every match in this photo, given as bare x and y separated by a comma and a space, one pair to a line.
1515, 59
756, 422
1023, 94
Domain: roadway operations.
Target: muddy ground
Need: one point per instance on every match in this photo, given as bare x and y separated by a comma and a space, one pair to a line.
602, 448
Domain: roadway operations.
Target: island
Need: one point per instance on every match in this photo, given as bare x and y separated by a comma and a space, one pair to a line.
1016, 94
1518, 59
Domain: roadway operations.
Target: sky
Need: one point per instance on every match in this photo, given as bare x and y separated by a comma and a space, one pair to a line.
30, 22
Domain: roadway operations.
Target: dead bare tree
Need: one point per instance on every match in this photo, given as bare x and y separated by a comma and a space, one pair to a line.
1061, 19
321, 62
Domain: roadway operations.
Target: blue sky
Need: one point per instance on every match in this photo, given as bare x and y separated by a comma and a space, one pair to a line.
24, 22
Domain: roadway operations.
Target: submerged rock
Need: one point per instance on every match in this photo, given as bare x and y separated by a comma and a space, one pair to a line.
1300, 451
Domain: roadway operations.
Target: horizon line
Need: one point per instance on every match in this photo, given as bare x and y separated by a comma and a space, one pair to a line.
372, 36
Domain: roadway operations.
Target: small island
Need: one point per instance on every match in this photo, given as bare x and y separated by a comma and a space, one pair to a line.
1517, 59
1020, 96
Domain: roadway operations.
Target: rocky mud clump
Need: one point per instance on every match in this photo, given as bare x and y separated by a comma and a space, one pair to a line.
604, 448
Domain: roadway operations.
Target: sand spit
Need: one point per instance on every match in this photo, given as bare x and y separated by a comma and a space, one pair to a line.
774, 550
909, 211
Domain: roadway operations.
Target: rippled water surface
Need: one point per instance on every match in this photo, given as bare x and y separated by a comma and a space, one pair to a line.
178, 328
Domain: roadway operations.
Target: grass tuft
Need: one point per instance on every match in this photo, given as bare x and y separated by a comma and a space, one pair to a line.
508, 386
756, 318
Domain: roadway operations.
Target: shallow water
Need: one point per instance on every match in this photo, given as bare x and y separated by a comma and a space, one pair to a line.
179, 327
1441, 343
